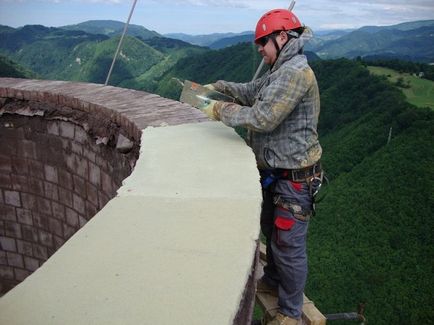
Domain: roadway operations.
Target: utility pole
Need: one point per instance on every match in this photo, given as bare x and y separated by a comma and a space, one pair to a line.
120, 43
291, 6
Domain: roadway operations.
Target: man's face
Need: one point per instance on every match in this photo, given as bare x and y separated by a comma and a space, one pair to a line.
267, 49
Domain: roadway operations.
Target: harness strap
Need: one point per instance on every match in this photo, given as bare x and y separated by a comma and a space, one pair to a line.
295, 209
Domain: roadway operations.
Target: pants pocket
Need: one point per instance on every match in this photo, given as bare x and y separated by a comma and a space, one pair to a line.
284, 224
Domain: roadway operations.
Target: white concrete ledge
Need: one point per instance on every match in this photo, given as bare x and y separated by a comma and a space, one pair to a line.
174, 247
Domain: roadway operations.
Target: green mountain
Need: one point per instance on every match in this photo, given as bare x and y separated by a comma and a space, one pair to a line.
111, 28
397, 41
204, 40
61, 54
9, 68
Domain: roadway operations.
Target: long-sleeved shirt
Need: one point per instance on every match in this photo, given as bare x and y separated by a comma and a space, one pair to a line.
280, 110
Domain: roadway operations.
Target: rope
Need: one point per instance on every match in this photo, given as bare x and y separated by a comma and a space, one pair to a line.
120, 43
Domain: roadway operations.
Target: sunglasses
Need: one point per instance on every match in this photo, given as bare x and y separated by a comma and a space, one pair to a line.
264, 40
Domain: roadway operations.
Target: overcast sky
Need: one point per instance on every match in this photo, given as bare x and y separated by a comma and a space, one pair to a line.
211, 16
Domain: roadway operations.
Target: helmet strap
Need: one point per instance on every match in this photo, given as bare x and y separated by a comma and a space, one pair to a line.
278, 50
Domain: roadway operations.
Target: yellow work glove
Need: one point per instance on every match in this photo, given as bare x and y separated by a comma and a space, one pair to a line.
209, 86
208, 109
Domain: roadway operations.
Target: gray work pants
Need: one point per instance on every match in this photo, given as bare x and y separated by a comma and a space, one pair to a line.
286, 244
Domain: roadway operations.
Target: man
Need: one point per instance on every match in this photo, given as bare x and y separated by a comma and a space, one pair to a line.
280, 111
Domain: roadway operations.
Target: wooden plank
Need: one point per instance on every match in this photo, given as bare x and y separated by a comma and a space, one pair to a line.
310, 314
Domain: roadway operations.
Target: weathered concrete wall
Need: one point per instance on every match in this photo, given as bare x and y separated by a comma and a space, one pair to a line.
175, 245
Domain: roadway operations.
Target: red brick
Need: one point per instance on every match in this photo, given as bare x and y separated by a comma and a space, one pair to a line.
106, 183
51, 174
80, 135
101, 162
12, 198
8, 244
78, 203
58, 210
6, 272
77, 148
83, 221
66, 130
5, 163
20, 274
31, 264
68, 231
89, 154
20, 166
36, 186
53, 128
91, 210
65, 197
29, 233
14, 259
36, 169
8, 213
5, 181
45, 238
58, 242
55, 226
12, 229
79, 185
51, 191
40, 252
102, 199
24, 217
29, 201
27, 149
82, 167
44, 205
92, 194
65, 179
94, 174
40, 220
3, 260
24, 247
19, 183
72, 217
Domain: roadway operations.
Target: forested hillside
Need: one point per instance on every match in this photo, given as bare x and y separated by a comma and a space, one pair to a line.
371, 240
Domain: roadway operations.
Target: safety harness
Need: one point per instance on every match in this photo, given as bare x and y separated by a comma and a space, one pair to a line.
312, 175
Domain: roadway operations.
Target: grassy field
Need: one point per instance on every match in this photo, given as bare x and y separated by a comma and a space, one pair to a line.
421, 91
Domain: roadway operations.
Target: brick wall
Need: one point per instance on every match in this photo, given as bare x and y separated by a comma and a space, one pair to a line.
53, 179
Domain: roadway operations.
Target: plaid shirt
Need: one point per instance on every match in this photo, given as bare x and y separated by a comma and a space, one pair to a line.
280, 110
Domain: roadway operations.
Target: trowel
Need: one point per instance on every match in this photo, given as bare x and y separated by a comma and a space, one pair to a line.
199, 96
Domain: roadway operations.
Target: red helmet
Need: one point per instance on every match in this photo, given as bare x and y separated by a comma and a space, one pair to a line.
276, 20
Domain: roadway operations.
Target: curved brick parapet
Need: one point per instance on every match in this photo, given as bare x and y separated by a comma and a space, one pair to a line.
173, 205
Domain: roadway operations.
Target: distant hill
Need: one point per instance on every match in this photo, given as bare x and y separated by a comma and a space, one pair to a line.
9, 68
111, 28
233, 40
204, 40
397, 41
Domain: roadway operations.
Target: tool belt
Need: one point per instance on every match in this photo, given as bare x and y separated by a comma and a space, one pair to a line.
300, 175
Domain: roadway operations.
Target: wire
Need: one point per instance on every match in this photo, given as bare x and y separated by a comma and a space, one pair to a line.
120, 43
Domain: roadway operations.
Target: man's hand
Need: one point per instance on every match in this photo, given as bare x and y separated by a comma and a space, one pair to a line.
209, 86
209, 108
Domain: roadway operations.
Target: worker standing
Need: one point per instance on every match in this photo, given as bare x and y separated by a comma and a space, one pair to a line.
280, 111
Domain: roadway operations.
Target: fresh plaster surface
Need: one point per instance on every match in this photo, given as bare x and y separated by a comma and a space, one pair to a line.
175, 247
193, 160
145, 261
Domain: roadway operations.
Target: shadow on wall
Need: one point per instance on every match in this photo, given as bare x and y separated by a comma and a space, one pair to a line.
54, 177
